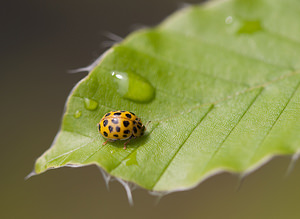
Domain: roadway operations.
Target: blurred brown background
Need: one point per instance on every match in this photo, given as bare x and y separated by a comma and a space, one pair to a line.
40, 42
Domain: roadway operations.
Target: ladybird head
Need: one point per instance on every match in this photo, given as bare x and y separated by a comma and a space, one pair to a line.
144, 127
143, 130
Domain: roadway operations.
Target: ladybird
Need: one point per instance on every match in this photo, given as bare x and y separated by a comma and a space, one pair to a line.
120, 125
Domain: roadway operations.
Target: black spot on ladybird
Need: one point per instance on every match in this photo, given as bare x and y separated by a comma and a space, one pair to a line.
115, 121
128, 115
107, 114
126, 132
105, 134
110, 128
139, 123
126, 123
118, 129
132, 113
134, 129
139, 127
134, 122
116, 136
105, 122
124, 136
99, 127
117, 114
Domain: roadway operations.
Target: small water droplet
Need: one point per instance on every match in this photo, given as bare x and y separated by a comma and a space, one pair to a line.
131, 160
133, 87
229, 20
250, 27
77, 114
90, 104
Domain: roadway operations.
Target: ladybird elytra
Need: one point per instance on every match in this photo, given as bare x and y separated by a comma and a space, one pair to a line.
120, 125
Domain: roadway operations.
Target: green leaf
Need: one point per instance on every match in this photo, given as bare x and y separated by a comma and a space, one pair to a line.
220, 83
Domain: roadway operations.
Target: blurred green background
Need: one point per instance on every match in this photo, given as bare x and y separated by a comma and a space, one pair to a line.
40, 42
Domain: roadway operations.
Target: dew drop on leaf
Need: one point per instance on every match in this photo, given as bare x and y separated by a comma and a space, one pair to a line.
90, 104
229, 20
133, 86
77, 114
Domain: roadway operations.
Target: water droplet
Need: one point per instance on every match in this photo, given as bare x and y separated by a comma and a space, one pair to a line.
90, 104
134, 87
77, 114
250, 27
229, 20
131, 160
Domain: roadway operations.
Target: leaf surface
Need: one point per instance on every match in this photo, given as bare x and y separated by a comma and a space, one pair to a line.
226, 97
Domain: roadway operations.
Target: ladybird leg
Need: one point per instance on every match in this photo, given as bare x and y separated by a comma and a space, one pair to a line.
126, 144
108, 140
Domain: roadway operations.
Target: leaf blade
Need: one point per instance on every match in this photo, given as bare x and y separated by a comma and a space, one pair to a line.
224, 90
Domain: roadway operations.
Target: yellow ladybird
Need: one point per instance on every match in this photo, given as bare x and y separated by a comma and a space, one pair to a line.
120, 125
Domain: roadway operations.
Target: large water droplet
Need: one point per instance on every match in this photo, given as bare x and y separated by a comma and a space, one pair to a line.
77, 114
131, 160
250, 27
133, 87
90, 104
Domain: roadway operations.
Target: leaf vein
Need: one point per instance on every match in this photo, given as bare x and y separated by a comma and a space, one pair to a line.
71, 151
274, 123
230, 132
263, 85
173, 157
